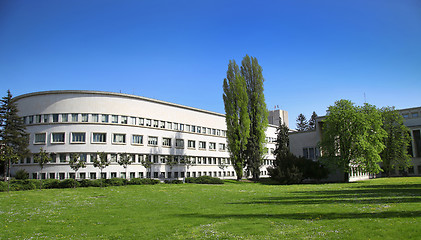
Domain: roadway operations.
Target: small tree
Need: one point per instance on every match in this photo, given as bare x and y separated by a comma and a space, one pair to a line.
8, 156
75, 164
397, 141
312, 121
147, 163
187, 162
125, 160
42, 158
302, 124
101, 161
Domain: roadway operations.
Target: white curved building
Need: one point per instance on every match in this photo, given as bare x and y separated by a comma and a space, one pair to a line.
87, 122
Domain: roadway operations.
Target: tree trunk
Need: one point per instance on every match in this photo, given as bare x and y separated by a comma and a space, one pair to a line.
346, 177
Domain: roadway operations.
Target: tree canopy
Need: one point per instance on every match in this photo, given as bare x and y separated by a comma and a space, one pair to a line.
353, 136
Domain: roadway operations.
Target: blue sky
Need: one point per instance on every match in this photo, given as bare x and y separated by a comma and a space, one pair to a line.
312, 52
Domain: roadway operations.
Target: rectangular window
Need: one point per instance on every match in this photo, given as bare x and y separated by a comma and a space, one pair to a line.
141, 121
113, 175
414, 115
62, 157
405, 115
114, 119
213, 131
212, 146
169, 125
218, 132
137, 139
202, 145
104, 118
92, 175
175, 126
113, 157
30, 119
78, 137
193, 128
124, 119
188, 128
181, 127
209, 131
162, 124
148, 123
417, 142
191, 144
204, 130
179, 143
75, 117
132, 121
222, 147
199, 129
57, 138
99, 137
166, 142
85, 117
39, 138
55, 117
65, 117
119, 138
95, 118
155, 123
46, 117
38, 118
153, 141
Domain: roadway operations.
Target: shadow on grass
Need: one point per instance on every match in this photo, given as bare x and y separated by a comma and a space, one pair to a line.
372, 194
310, 216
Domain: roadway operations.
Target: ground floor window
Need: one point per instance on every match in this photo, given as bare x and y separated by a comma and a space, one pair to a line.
92, 175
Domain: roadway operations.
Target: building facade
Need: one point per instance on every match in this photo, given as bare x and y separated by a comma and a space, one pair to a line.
89, 122
306, 144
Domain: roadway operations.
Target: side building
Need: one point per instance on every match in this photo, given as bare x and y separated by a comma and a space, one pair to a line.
306, 144
88, 122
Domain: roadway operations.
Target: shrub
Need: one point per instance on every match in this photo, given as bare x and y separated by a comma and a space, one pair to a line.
143, 181
20, 185
3, 186
204, 180
22, 174
69, 183
173, 181
116, 182
50, 183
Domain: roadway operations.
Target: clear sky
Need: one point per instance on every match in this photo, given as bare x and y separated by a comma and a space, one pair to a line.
312, 52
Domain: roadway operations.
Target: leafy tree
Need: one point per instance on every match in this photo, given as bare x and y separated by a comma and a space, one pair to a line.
258, 114
7, 157
236, 117
312, 121
125, 160
302, 124
101, 161
352, 136
76, 163
12, 133
42, 158
171, 162
147, 163
397, 141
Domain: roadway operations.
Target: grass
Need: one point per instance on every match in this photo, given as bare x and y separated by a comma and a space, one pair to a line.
375, 209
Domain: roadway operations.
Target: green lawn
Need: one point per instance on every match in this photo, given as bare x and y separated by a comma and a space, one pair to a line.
375, 209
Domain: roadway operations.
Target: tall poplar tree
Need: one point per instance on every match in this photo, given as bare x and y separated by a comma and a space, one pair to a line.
236, 117
251, 71
12, 132
397, 141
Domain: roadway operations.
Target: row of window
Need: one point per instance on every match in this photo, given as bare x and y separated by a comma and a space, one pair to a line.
161, 175
139, 158
120, 138
118, 119
410, 115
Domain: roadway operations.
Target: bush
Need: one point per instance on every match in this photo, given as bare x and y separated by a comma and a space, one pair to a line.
173, 181
116, 182
69, 183
21, 185
143, 181
3, 186
22, 174
50, 183
204, 180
